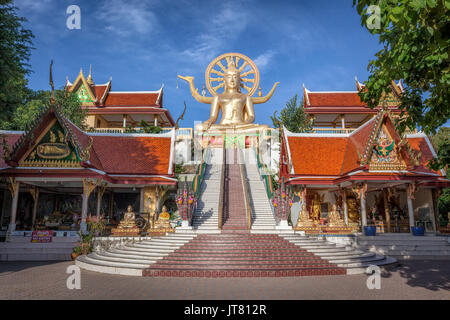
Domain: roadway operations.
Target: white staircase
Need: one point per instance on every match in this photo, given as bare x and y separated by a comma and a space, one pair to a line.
262, 215
206, 215
406, 246
132, 259
355, 261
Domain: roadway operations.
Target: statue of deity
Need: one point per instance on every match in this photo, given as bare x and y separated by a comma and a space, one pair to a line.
163, 221
353, 211
129, 218
315, 206
127, 226
303, 219
334, 218
236, 107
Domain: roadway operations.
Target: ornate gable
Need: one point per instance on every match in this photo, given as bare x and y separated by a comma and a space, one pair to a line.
385, 152
52, 149
83, 89
385, 148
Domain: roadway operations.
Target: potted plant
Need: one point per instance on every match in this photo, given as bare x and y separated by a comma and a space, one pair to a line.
95, 227
76, 252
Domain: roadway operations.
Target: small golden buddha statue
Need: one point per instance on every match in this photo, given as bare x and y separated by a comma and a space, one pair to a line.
127, 226
129, 219
334, 218
315, 205
163, 221
303, 219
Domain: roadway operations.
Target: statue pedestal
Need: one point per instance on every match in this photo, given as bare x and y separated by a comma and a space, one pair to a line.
126, 232
283, 225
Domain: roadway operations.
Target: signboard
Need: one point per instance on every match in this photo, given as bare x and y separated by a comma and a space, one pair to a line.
42, 236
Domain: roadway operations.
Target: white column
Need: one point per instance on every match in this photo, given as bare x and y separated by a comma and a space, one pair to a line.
410, 210
35, 207
363, 208
343, 121
344, 200
84, 210
15, 198
156, 121
99, 203
124, 120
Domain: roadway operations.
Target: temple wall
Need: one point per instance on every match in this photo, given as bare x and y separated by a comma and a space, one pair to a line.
183, 153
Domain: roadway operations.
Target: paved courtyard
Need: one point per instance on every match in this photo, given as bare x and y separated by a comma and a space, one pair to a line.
47, 280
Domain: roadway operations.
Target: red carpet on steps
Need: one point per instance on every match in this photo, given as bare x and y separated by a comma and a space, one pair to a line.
241, 255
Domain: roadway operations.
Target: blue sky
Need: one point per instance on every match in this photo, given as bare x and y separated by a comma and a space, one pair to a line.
142, 44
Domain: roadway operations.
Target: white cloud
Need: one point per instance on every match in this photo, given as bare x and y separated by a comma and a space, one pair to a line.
222, 29
127, 17
263, 60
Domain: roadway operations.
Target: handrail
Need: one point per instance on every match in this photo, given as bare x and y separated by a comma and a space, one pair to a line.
196, 183
266, 177
248, 208
221, 189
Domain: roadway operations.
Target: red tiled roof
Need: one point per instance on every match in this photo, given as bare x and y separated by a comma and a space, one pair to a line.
317, 155
133, 155
334, 99
99, 91
420, 144
356, 144
131, 99
11, 139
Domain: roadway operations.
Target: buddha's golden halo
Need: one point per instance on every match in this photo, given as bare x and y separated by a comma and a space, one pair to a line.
248, 72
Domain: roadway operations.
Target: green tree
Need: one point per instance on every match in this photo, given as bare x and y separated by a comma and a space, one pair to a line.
415, 35
37, 101
293, 117
15, 50
441, 143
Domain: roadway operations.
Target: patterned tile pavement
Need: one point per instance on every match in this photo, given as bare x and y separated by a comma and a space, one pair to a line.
40, 280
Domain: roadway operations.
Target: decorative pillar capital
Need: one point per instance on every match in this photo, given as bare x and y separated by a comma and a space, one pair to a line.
34, 191
13, 186
89, 186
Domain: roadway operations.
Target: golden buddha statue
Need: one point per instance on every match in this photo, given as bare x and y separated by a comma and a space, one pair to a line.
127, 226
334, 218
315, 206
163, 221
236, 107
353, 212
303, 219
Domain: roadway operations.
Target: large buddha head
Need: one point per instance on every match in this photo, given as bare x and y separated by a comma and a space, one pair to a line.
232, 77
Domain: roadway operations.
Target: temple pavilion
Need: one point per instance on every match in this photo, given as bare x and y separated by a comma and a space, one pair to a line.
354, 159
55, 175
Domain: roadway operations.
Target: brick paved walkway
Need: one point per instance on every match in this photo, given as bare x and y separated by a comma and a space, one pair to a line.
37, 280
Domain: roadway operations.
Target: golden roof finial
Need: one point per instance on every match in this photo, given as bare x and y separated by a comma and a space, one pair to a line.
52, 97
89, 78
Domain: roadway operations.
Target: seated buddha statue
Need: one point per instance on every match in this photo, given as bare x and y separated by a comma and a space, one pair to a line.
129, 219
303, 219
163, 221
238, 114
334, 218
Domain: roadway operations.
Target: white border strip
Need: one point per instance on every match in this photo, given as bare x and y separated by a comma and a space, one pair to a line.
288, 149
148, 135
172, 150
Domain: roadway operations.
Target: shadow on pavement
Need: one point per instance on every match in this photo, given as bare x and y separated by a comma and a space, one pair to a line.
430, 274
8, 267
